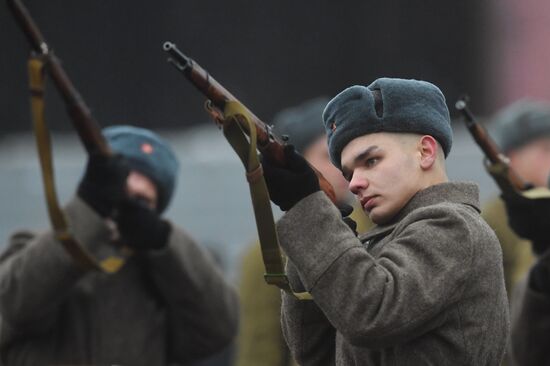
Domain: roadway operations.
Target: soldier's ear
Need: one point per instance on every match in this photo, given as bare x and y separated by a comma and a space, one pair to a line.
427, 147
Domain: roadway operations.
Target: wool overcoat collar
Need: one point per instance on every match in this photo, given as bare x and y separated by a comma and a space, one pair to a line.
458, 193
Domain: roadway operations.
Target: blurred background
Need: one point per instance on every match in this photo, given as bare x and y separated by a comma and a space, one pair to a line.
270, 55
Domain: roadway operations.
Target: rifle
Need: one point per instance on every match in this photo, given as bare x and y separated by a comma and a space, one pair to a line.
87, 128
268, 143
237, 121
497, 163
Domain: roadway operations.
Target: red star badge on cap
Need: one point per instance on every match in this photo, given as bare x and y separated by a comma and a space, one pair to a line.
147, 148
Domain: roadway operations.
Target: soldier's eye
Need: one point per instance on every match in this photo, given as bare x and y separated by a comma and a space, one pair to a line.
370, 162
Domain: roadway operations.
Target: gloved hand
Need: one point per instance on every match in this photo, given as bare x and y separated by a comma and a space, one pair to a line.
530, 219
140, 227
539, 278
104, 183
345, 211
288, 185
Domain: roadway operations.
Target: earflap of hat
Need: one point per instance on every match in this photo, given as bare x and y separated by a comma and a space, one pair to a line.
350, 114
415, 106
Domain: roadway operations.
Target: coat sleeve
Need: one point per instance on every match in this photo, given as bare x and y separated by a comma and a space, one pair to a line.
377, 302
530, 311
37, 274
308, 333
202, 307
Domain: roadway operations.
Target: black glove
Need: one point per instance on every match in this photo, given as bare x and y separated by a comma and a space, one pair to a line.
345, 211
140, 227
288, 185
530, 219
104, 182
539, 278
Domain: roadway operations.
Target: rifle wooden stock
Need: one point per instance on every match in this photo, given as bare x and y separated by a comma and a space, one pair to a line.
488, 146
268, 143
86, 126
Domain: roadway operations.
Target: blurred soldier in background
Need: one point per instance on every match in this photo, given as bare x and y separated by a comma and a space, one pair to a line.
530, 301
522, 131
260, 340
168, 303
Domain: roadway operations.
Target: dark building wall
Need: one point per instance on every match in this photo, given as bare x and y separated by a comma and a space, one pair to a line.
267, 53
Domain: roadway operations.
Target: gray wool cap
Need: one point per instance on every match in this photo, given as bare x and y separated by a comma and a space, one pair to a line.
148, 154
302, 124
387, 105
520, 123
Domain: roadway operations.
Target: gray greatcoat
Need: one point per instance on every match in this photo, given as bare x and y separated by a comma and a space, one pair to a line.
426, 289
166, 307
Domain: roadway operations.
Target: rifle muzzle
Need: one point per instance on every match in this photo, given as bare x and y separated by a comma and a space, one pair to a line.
178, 59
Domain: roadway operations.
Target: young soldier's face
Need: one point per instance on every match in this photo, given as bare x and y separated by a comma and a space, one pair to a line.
140, 186
383, 172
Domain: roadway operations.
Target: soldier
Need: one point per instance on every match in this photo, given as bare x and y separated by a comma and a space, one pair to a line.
530, 302
260, 340
168, 304
423, 287
522, 131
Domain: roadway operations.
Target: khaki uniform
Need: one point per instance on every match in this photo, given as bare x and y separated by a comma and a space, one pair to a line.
260, 340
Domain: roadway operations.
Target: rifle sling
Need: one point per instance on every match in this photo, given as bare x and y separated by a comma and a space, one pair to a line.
78, 253
235, 115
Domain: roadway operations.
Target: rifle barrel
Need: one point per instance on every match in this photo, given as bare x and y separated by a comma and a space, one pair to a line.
268, 143
178, 59
87, 128
487, 145
25, 21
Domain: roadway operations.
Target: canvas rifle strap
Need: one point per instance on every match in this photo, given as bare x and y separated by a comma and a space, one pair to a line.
234, 116
499, 172
80, 255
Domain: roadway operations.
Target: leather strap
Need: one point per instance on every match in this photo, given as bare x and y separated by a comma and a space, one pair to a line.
234, 117
80, 255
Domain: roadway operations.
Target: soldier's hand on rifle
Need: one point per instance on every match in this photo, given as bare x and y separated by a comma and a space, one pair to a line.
140, 227
103, 185
529, 218
539, 277
345, 211
288, 185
